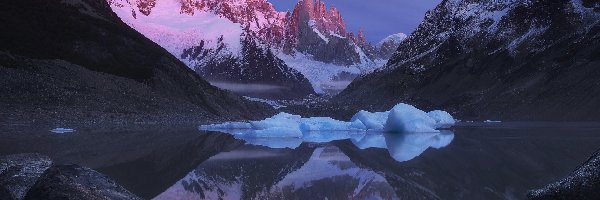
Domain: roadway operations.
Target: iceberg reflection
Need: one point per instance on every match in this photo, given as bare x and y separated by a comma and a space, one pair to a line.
402, 147
405, 147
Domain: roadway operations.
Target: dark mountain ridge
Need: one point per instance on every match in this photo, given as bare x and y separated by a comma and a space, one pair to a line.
507, 60
75, 61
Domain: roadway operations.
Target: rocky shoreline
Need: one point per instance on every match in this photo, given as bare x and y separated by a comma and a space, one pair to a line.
34, 176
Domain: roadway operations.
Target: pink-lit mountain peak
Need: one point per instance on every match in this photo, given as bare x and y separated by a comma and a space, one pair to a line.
330, 21
259, 15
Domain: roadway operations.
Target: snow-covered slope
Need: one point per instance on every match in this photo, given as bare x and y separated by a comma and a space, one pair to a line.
222, 51
212, 36
395, 38
387, 46
176, 32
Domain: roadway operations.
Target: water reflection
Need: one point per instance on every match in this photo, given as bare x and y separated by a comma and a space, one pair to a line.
402, 147
308, 172
474, 163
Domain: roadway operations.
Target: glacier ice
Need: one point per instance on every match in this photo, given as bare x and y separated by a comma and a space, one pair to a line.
401, 118
442, 119
405, 131
407, 118
372, 121
62, 130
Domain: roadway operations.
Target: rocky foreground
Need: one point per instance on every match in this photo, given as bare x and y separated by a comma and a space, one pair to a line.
583, 183
33, 176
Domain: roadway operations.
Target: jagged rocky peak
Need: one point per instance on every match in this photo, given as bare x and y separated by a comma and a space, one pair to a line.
315, 11
209, 36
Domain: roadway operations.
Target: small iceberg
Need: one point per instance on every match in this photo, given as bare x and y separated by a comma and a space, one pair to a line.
401, 118
62, 130
492, 121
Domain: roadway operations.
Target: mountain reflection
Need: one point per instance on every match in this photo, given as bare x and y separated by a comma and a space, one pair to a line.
301, 168
303, 173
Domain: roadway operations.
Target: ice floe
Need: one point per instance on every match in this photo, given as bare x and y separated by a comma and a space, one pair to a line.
401, 118
62, 130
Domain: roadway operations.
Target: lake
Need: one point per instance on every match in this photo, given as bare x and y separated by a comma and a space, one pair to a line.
470, 161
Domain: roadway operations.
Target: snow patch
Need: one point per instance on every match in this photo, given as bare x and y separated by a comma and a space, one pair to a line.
271, 103
321, 75
176, 32
312, 24
395, 38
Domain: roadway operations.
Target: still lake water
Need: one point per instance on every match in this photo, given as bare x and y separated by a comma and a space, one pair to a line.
479, 161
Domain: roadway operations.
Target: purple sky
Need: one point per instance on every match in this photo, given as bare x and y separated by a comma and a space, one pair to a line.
379, 18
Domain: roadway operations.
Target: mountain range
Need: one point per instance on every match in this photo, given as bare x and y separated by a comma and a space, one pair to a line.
233, 42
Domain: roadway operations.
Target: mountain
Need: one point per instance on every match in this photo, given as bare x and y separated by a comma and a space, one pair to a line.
389, 45
75, 61
509, 60
307, 46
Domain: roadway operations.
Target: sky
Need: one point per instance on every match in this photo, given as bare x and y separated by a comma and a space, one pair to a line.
379, 18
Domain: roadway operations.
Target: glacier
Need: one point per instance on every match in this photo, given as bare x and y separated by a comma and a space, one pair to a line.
401, 118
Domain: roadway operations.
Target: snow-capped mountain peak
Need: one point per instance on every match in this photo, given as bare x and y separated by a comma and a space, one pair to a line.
395, 38
212, 37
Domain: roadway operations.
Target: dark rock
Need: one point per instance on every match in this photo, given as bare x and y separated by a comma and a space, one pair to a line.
583, 183
75, 182
538, 61
78, 58
255, 65
19, 172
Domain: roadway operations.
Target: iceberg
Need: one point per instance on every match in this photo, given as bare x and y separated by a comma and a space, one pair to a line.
372, 121
402, 118
282, 119
407, 118
329, 124
492, 121
442, 119
62, 130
